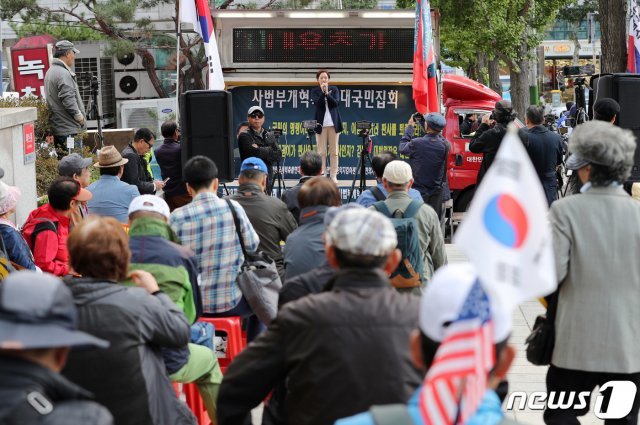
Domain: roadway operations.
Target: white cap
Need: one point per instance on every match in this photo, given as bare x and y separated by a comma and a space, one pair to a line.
253, 109
149, 203
444, 297
361, 232
397, 172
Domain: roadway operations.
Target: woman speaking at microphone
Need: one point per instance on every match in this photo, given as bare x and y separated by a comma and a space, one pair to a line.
327, 99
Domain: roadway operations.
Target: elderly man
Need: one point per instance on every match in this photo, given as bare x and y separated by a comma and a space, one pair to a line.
595, 240
328, 346
68, 117
38, 328
111, 197
269, 216
77, 168
397, 180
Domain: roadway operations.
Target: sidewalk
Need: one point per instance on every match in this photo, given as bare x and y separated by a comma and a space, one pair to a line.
524, 376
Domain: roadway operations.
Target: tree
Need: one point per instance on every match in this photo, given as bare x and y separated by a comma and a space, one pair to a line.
613, 27
575, 13
115, 20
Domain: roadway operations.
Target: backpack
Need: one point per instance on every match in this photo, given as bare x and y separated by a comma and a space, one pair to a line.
6, 265
377, 193
44, 224
411, 268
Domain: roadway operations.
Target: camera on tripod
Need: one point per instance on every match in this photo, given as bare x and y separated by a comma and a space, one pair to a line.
364, 128
91, 80
310, 126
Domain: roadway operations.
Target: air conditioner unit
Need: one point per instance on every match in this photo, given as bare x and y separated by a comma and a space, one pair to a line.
92, 61
149, 113
134, 85
130, 61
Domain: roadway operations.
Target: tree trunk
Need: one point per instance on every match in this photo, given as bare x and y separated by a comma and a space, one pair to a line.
494, 76
482, 66
149, 64
520, 88
613, 23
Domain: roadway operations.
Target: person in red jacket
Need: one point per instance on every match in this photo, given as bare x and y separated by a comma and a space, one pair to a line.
47, 227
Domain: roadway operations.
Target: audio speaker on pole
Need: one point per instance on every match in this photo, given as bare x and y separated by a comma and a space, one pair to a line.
206, 124
624, 89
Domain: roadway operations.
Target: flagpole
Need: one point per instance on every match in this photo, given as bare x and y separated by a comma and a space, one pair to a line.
178, 66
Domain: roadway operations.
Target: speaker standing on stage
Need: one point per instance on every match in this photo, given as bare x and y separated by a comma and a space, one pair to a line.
258, 142
327, 100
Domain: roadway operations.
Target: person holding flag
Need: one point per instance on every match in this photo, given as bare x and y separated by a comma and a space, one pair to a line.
462, 344
633, 50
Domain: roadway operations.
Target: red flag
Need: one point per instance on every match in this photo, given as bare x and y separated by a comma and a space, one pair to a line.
425, 86
457, 380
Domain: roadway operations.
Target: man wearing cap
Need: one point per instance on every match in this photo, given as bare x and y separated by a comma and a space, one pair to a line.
379, 193
38, 326
440, 306
258, 142
136, 170
77, 167
606, 109
428, 159
397, 180
490, 134
269, 216
12, 244
595, 238
155, 248
111, 197
47, 227
68, 117
544, 149
341, 350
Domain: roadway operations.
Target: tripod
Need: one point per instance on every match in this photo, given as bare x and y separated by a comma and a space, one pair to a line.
361, 169
277, 176
93, 111
309, 133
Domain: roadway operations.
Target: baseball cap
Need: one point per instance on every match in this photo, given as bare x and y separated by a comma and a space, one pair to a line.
253, 163
444, 297
255, 109
397, 172
435, 121
37, 311
72, 163
575, 162
9, 196
606, 108
83, 195
66, 45
362, 232
331, 212
149, 203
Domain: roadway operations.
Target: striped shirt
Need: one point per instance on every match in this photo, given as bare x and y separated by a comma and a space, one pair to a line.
206, 226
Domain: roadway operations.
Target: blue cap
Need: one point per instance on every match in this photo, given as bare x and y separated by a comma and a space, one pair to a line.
435, 121
254, 163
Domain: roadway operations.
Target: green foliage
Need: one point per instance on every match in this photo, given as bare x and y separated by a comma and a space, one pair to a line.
42, 124
60, 31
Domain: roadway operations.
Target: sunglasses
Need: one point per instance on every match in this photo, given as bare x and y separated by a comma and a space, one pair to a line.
256, 115
148, 144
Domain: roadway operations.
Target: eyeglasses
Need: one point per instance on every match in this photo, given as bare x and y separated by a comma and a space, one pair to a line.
256, 115
148, 144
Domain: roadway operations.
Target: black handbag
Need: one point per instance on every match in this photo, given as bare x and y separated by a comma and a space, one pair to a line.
541, 341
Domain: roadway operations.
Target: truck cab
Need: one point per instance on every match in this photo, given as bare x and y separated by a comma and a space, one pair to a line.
462, 96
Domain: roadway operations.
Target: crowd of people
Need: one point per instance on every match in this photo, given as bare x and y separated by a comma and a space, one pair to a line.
107, 281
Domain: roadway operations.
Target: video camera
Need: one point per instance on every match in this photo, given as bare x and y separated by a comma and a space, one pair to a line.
310, 125
90, 79
418, 118
364, 128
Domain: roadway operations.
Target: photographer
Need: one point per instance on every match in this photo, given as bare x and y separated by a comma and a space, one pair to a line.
490, 133
68, 116
258, 142
427, 157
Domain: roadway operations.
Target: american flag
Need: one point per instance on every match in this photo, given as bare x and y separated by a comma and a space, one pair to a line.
457, 380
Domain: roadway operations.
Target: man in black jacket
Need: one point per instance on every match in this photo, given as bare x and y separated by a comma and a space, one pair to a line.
310, 166
490, 133
258, 142
545, 151
169, 157
135, 171
342, 350
38, 326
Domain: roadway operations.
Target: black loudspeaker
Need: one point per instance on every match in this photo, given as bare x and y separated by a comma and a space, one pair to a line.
625, 89
206, 124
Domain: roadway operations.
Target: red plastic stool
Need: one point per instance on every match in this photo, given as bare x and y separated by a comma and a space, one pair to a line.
232, 326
